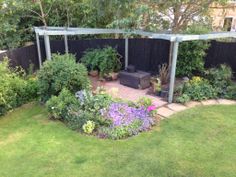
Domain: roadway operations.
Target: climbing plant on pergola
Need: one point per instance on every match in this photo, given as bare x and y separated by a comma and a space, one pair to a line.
175, 39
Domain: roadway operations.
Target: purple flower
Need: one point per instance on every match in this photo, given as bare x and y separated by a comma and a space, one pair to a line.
121, 114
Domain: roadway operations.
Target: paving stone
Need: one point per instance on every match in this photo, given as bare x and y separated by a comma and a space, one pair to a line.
226, 102
176, 107
192, 104
209, 102
165, 112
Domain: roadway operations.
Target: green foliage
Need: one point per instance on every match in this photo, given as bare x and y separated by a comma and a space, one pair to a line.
15, 89
220, 78
231, 92
89, 127
197, 89
119, 132
144, 101
183, 99
104, 60
17, 17
191, 55
61, 72
58, 106
87, 109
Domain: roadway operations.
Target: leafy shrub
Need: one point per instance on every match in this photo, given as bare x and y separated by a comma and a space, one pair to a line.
93, 104
58, 106
125, 121
88, 109
76, 118
183, 99
231, 92
197, 89
191, 54
220, 78
61, 72
89, 127
145, 101
15, 88
120, 132
105, 60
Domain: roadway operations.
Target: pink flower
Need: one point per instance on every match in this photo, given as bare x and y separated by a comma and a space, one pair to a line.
151, 108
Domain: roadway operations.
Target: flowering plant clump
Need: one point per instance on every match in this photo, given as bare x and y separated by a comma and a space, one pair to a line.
126, 120
152, 110
88, 127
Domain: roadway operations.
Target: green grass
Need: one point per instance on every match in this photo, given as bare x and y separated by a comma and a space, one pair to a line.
200, 142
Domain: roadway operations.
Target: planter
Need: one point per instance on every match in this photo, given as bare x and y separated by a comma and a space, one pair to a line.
164, 93
93, 73
107, 77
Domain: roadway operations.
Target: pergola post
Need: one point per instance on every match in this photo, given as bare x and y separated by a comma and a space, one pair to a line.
47, 47
39, 50
173, 70
66, 44
126, 52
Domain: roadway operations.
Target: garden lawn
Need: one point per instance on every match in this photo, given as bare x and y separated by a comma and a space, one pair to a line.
198, 142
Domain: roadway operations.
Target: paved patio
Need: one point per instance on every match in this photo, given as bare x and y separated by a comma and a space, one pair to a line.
117, 90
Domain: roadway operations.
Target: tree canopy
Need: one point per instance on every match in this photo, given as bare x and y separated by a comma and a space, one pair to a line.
17, 17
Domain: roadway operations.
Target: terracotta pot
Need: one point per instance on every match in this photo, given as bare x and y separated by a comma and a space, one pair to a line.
93, 73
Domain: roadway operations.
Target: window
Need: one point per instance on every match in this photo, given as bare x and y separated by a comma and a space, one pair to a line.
228, 23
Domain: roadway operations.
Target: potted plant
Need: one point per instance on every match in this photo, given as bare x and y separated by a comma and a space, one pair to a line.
93, 73
105, 60
156, 85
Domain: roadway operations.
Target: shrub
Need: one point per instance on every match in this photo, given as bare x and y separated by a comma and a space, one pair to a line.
58, 106
197, 89
61, 72
183, 99
220, 78
231, 92
104, 60
89, 127
15, 88
88, 109
191, 54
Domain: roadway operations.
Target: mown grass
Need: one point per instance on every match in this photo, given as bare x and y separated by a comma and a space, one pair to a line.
197, 142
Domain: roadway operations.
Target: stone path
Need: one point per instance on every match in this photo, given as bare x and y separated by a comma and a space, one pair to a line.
170, 109
117, 90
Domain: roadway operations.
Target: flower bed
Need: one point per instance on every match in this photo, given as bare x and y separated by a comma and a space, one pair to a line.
101, 115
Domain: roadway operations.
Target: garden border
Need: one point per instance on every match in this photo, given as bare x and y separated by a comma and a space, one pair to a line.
169, 109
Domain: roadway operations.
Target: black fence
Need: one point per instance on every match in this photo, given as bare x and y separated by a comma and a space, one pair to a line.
23, 57
145, 54
221, 53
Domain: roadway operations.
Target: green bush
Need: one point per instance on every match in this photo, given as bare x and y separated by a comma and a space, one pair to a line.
104, 60
220, 78
196, 89
191, 54
183, 99
58, 106
61, 72
231, 92
76, 110
15, 88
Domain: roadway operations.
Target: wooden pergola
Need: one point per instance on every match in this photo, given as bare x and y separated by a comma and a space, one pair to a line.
175, 39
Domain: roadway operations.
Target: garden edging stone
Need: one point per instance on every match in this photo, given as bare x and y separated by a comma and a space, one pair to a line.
170, 109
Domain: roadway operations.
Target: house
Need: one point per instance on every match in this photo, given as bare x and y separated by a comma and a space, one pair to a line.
224, 16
